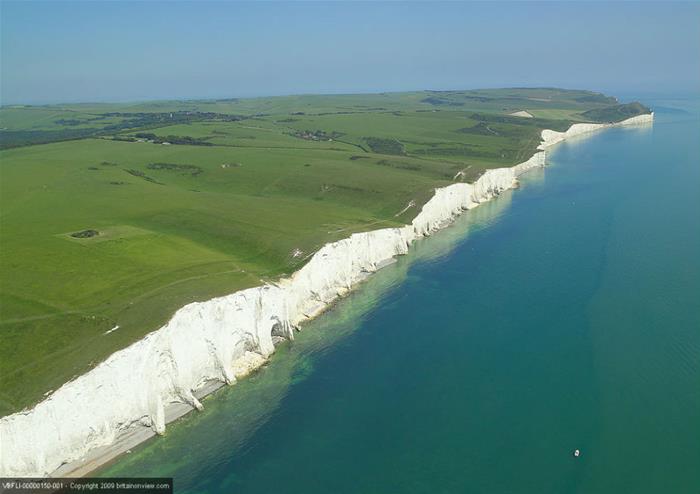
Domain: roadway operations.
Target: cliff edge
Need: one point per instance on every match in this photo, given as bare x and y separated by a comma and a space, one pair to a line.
223, 339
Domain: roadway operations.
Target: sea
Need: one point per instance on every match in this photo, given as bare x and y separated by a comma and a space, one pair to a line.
562, 316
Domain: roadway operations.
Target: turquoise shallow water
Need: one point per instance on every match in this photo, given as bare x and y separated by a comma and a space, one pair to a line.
563, 315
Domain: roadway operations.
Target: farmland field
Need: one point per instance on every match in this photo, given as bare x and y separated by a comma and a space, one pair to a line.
119, 214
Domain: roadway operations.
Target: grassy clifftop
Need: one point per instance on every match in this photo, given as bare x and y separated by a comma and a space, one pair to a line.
186, 200
615, 113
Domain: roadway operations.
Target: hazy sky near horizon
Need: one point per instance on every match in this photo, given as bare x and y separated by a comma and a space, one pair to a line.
118, 51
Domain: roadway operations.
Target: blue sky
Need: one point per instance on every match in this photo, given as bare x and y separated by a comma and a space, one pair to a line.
118, 51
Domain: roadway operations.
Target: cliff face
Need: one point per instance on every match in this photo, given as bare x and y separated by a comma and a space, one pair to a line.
224, 338
552, 137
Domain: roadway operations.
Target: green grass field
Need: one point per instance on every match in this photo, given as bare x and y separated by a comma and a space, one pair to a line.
258, 187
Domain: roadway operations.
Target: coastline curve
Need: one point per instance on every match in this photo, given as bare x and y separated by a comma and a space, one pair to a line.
102, 413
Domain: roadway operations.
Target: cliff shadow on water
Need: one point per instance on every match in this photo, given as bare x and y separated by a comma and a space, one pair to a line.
231, 415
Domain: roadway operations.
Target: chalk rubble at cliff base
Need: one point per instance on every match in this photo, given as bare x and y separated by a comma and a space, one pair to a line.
225, 338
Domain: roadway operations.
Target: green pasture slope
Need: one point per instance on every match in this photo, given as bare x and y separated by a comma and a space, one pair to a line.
118, 214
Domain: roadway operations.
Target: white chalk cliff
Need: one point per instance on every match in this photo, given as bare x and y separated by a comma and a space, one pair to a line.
552, 137
225, 338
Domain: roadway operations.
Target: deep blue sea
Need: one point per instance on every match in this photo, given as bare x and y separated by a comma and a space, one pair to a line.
563, 315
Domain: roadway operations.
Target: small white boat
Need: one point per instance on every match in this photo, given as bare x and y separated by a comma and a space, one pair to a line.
577, 453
